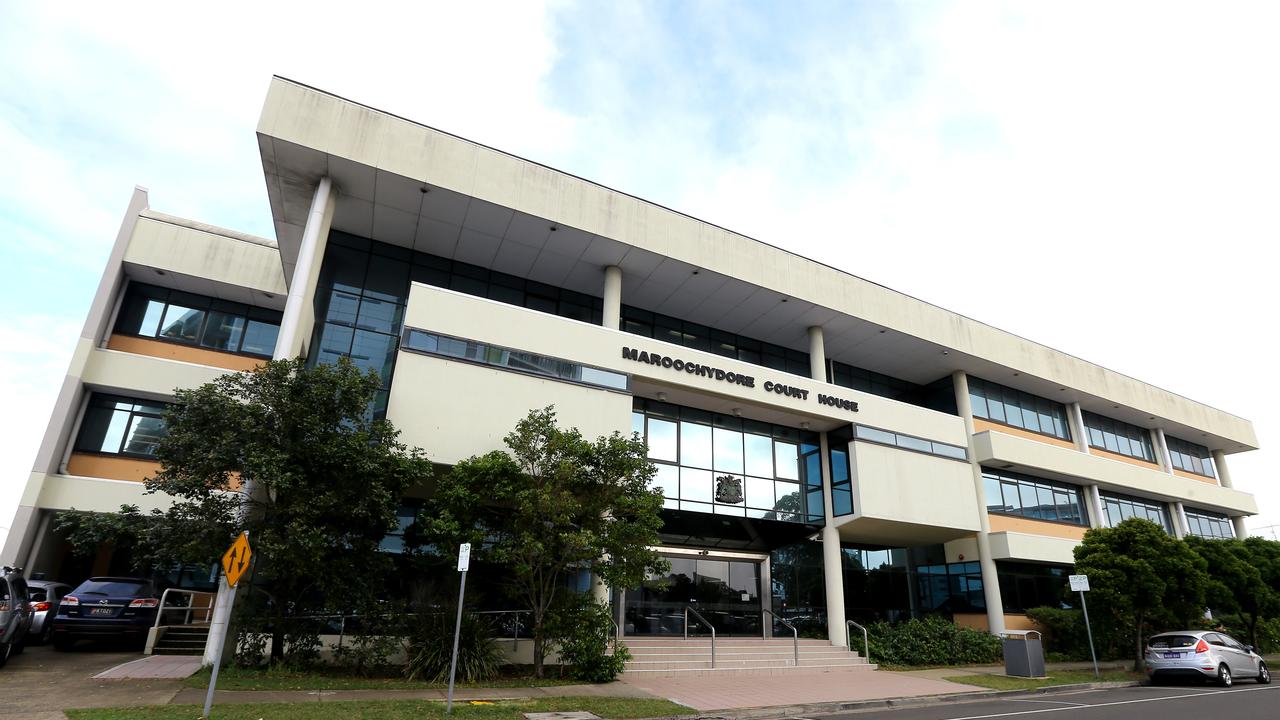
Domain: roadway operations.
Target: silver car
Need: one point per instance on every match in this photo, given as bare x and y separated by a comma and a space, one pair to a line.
1205, 655
44, 596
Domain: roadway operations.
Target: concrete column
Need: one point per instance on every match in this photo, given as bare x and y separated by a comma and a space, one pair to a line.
612, 317
1242, 532
298, 318
1161, 458
990, 579
1181, 528
832, 567
1098, 518
1162, 451
1079, 434
1220, 468
817, 355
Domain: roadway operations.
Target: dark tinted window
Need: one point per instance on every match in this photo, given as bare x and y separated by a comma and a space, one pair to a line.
1172, 641
118, 425
175, 316
114, 588
700, 337
1114, 436
1007, 406
1190, 457
1016, 494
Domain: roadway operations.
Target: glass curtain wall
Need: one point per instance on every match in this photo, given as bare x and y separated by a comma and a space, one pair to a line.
725, 591
713, 463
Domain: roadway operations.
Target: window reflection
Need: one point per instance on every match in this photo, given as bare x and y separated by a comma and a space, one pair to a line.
727, 469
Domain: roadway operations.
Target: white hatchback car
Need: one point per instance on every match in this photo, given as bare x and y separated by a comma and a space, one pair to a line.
1203, 654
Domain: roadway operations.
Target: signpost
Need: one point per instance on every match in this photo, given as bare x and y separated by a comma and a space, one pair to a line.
234, 564
464, 562
1080, 584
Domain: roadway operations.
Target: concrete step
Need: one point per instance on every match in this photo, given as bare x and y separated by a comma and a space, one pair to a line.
177, 651
721, 671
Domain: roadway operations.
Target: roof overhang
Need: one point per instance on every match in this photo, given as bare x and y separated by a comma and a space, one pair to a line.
407, 184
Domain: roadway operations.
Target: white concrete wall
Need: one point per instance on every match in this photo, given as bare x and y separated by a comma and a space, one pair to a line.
465, 316
62, 492
1036, 548
922, 494
1055, 462
454, 410
113, 370
204, 254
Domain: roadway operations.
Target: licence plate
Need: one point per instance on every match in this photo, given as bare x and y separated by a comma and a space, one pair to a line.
102, 611
1172, 656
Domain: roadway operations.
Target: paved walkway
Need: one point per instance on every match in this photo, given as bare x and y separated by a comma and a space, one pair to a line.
40, 683
797, 687
173, 667
613, 689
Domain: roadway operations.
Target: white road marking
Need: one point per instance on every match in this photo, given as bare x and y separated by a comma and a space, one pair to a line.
1055, 702
1112, 704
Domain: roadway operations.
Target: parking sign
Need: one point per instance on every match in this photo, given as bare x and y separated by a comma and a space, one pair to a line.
1079, 583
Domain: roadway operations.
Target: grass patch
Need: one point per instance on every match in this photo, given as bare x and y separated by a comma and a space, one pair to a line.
1062, 677
274, 678
613, 708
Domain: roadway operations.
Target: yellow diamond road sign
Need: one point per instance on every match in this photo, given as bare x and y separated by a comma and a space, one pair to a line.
236, 561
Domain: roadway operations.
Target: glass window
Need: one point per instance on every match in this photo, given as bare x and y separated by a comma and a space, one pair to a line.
1209, 525
997, 403
662, 440
785, 464
1190, 457
149, 311
695, 445
1119, 508
759, 455
728, 450
117, 425
695, 484
1016, 494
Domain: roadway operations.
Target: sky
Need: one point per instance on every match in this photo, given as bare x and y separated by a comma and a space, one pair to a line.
1103, 178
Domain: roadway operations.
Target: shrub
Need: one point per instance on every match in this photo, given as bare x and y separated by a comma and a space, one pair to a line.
431, 648
931, 640
1065, 635
371, 641
581, 631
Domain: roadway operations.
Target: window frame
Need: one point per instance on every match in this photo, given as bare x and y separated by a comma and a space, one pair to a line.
1026, 405
133, 412
207, 306
1027, 483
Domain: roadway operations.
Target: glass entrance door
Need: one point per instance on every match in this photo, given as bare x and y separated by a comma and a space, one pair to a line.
726, 592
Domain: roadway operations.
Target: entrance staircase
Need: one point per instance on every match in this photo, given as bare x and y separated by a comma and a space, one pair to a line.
182, 640
749, 656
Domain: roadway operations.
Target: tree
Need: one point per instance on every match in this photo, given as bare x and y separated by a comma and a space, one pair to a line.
291, 454
1141, 578
553, 504
1243, 578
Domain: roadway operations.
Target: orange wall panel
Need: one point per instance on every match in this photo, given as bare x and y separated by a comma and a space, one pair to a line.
114, 467
182, 353
1005, 523
979, 425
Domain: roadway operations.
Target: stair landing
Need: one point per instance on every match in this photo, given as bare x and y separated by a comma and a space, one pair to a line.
742, 656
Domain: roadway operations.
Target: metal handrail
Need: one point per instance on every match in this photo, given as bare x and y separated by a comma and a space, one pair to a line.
866, 644
164, 597
710, 627
795, 634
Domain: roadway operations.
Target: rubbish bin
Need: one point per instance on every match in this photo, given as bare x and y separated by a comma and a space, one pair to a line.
1023, 653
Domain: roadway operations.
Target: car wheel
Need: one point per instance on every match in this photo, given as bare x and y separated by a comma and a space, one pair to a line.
20, 644
5, 652
1224, 676
46, 634
1264, 675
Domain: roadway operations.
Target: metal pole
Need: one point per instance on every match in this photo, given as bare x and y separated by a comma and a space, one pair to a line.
1089, 630
457, 629
221, 640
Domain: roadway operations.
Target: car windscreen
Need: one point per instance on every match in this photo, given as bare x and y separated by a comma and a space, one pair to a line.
114, 588
1161, 642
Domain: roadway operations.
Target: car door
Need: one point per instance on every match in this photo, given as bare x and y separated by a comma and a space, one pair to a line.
1241, 662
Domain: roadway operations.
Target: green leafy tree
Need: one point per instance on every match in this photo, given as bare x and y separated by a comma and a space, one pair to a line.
550, 506
1244, 578
291, 454
1141, 579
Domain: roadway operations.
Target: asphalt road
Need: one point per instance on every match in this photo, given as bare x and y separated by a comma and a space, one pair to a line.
1245, 701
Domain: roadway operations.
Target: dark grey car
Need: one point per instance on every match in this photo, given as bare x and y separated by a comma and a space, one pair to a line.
1205, 655
15, 614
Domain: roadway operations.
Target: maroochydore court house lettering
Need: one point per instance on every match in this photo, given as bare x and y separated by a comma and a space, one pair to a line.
714, 373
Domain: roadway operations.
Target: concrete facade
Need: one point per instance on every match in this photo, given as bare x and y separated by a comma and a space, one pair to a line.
909, 472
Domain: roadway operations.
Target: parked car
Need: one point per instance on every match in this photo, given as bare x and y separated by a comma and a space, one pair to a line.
106, 608
1204, 655
43, 598
15, 615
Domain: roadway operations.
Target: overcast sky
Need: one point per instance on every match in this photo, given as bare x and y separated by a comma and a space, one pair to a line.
1103, 178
